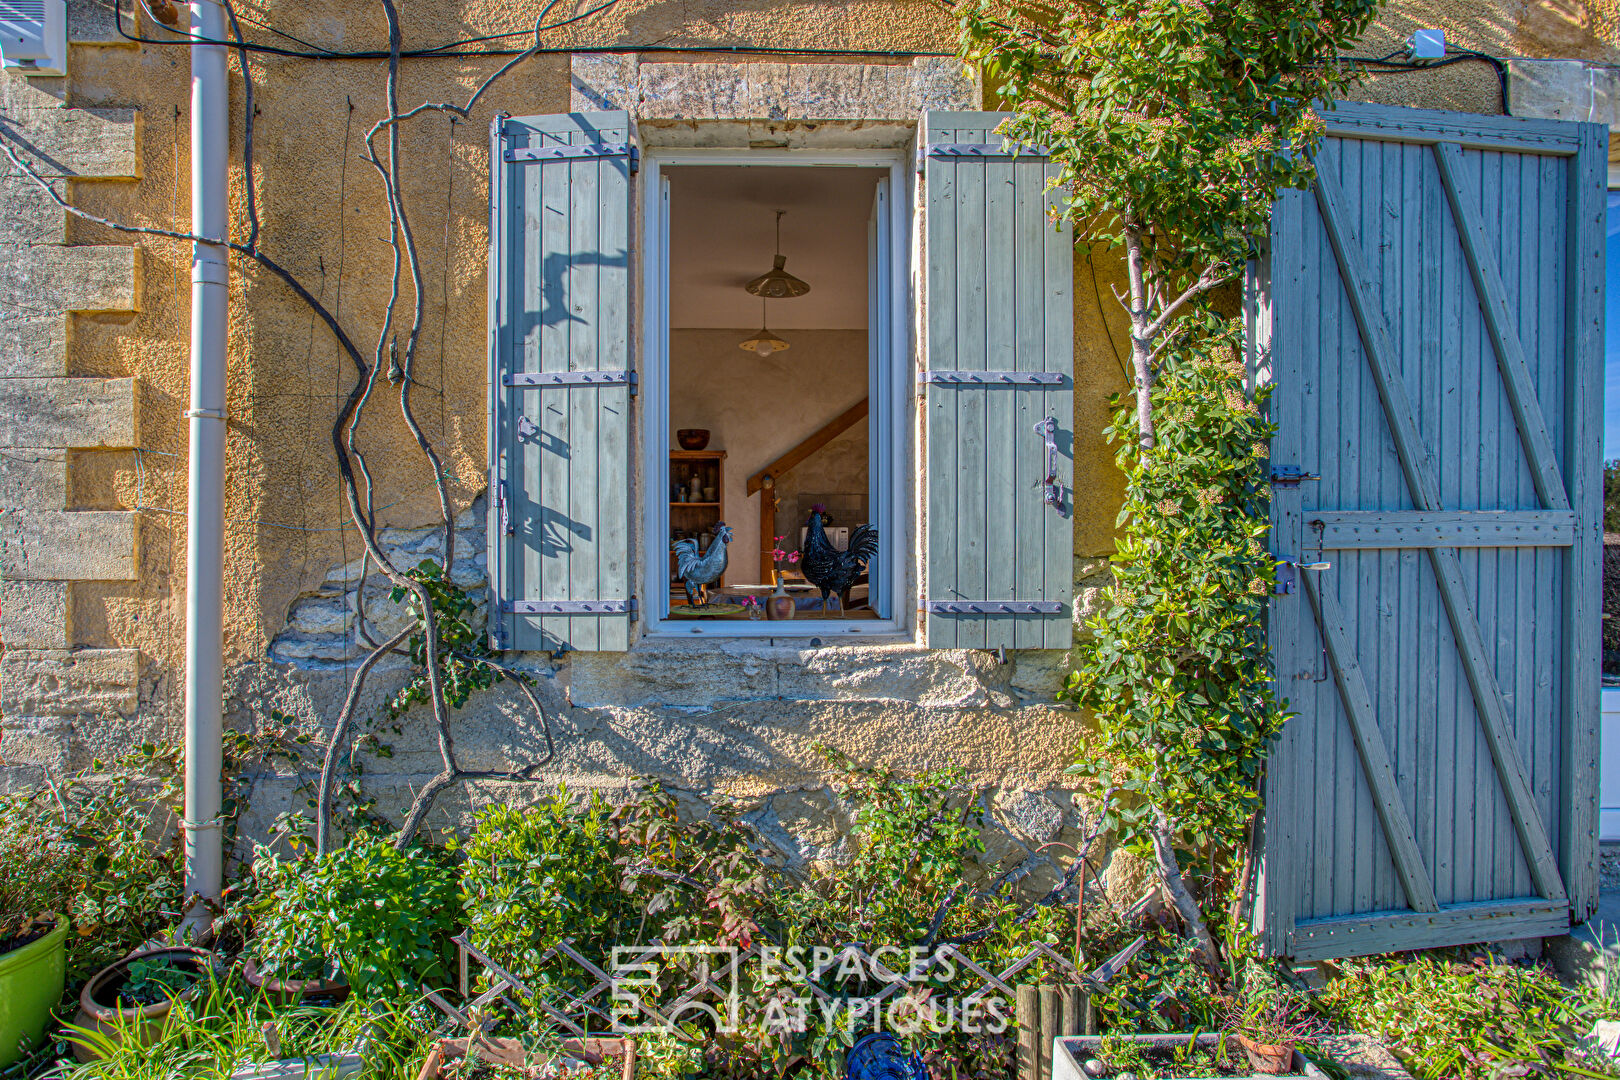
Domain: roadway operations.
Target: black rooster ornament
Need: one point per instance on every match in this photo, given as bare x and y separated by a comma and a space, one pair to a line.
831, 570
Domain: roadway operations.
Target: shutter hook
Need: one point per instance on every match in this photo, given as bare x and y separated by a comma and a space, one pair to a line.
1051, 487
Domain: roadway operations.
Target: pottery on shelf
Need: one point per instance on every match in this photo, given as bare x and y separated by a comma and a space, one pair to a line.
692, 438
779, 605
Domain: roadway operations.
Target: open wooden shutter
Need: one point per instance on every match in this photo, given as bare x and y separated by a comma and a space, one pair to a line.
1431, 317
560, 381
999, 388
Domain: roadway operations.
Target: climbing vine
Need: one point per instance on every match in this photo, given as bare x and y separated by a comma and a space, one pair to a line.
448, 662
1173, 126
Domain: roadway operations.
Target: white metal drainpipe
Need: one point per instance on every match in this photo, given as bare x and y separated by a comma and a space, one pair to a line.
205, 496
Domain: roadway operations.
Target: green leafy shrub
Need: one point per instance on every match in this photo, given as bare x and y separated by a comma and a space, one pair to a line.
99, 849
1477, 1019
602, 876
380, 916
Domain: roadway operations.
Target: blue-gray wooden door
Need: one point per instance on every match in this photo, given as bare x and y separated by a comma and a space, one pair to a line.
560, 380
1000, 373
1431, 317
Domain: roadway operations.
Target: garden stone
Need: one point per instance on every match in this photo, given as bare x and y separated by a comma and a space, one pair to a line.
1603, 1040
1094, 1067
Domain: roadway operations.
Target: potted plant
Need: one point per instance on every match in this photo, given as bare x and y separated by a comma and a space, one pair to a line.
132, 998
33, 966
1270, 1031
367, 917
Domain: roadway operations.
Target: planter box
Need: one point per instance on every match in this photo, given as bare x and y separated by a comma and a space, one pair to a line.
1068, 1054
31, 983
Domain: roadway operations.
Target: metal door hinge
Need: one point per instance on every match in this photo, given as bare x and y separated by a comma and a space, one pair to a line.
996, 607
992, 378
1003, 149
529, 154
549, 379
569, 607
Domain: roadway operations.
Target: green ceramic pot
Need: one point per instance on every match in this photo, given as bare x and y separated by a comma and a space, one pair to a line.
31, 982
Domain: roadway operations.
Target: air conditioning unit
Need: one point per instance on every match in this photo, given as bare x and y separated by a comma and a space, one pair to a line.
33, 36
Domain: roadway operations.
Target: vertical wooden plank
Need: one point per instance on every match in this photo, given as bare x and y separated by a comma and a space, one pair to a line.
1057, 325
1422, 662
1029, 354
613, 419
1583, 422
498, 440
940, 197
972, 524
1051, 1018
553, 534
1279, 334
583, 300
1027, 1015
1003, 270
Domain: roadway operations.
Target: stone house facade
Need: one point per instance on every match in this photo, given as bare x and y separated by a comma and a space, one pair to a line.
93, 391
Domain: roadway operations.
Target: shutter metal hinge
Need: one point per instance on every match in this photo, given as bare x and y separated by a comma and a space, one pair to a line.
529, 154
996, 607
570, 378
992, 378
569, 607
1290, 476
1005, 149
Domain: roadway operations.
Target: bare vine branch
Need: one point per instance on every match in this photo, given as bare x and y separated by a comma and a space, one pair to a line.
346, 424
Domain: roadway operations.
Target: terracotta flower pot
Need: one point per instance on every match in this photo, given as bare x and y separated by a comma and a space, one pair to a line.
100, 1011
291, 991
1273, 1059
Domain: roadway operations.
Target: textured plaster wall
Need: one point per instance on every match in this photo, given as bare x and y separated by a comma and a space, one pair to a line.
95, 636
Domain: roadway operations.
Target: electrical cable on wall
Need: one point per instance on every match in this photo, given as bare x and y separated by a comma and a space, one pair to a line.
452, 50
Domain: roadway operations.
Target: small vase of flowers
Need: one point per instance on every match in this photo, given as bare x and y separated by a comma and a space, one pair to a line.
779, 605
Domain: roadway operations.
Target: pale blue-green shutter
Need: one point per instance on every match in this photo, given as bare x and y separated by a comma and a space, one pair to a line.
999, 393
560, 382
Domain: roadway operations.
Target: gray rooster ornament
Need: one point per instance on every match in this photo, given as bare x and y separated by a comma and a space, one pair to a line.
698, 571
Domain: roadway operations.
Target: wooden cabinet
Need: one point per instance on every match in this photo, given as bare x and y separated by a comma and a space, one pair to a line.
697, 503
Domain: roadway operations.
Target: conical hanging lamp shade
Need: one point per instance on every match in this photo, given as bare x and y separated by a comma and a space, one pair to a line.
764, 342
776, 283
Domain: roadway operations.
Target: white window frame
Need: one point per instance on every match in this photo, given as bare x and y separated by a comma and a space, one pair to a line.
891, 419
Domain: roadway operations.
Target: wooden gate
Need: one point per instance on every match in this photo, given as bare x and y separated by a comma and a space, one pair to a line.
1431, 316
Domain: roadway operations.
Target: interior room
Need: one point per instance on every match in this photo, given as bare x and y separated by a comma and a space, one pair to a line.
769, 373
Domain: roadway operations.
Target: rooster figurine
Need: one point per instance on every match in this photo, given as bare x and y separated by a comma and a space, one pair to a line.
698, 572
831, 570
